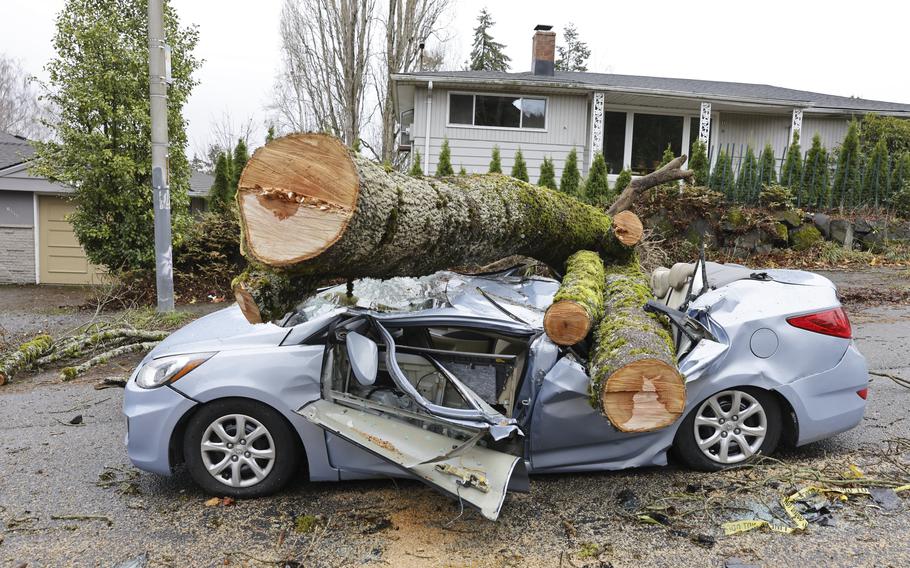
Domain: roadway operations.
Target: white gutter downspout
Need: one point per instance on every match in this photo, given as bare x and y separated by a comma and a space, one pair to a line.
426, 134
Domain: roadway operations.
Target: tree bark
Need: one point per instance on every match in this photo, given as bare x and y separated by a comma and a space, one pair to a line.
579, 301
634, 379
311, 211
24, 356
669, 172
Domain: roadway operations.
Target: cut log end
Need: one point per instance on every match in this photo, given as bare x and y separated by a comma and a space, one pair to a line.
628, 228
643, 396
296, 197
566, 322
247, 304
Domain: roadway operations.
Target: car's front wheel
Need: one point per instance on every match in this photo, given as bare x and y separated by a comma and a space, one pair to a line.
729, 428
240, 448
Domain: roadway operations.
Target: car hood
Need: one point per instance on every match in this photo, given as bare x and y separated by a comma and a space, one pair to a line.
219, 330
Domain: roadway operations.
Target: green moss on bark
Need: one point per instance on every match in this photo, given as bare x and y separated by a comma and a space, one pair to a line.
584, 283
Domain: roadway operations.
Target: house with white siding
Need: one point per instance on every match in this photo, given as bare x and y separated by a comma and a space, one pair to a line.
631, 119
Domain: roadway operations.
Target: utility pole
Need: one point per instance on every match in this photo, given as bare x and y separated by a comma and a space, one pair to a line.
159, 76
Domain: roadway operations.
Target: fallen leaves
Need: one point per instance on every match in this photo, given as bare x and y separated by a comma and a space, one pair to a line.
220, 501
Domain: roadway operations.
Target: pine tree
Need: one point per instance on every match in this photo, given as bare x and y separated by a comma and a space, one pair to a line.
547, 174
444, 165
597, 188
667, 157
747, 184
495, 162
847, 191
698, 163
270, 134
416, 169
624, 179
791, 173
220, 192
486, 53
875, 180
519, 167
570, 179
767, 172
815, 174
722, 178
573, 56
241, 157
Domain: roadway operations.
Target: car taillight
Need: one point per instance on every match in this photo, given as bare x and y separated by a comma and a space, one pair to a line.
829, 322
863, 393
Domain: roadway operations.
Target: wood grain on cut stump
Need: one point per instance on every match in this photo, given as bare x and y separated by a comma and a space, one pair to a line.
566, 322
643, 396
628, 228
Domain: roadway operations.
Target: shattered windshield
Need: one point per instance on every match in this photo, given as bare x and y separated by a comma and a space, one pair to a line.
519, 298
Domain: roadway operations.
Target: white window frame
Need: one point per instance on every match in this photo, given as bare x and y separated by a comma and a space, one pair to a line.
474, 94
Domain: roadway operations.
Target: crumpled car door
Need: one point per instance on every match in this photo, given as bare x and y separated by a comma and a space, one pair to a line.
456, 466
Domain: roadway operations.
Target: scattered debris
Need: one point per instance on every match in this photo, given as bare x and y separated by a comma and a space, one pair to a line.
628, 500
885, 497
220, 501
737, 563
110, 382
306, 523
76, 420
899, 380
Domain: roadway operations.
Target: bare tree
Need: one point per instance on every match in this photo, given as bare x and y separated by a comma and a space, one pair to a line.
326, 50
408, 24
21, 111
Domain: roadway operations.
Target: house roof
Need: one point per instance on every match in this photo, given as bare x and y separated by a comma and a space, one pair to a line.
14, 150
710, 90
200, 184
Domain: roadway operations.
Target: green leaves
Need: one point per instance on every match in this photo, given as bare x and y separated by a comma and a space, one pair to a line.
99, 83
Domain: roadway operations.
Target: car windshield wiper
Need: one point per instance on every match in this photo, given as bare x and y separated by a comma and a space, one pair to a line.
499, 306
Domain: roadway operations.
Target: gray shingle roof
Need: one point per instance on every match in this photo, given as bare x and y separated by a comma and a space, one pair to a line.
694, 87
200, 184
14, 150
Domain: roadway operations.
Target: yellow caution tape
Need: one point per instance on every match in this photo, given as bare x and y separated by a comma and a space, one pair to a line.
736, 527
902, 488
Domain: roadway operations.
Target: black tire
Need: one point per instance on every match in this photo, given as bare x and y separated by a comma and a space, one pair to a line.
286, 447
685, 446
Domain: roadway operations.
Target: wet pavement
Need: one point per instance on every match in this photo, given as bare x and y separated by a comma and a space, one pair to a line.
68, 497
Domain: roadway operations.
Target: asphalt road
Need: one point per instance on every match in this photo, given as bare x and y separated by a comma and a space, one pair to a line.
68, 497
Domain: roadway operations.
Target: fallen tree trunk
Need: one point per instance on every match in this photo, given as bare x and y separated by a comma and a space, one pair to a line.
310, 210
669, 172
634, 379
70, 373
24, 356
579, 302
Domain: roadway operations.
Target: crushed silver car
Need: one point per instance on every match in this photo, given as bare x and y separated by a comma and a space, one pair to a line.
450, 379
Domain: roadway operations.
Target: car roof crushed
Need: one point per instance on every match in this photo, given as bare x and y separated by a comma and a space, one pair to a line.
505, 296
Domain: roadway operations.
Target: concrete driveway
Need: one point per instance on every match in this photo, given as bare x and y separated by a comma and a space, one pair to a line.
68, 497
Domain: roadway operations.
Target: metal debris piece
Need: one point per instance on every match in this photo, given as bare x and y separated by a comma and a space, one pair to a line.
140, 561
628, 500
76, 420
737, 563
885, 497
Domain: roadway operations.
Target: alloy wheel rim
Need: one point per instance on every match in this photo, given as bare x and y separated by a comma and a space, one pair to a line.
730, 427
237, 450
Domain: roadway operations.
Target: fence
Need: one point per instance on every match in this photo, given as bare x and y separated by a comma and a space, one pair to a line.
819, 186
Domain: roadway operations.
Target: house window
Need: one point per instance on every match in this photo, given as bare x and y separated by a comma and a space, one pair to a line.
497, 111
650, 137
614, 140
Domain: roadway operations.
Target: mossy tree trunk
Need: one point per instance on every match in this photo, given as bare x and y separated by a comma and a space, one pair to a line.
311, 211
22, 357
634, 378
579, 302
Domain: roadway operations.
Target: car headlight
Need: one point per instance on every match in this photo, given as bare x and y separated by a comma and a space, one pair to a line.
158, 372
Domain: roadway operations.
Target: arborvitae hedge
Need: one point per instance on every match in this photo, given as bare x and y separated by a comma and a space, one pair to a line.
547, 174
624, 179
876, 185
416, 169
846, 190
698, 163
766, 168
570, 179
815, 176
495, 162
722, 176
791, 173
748, 183
519, 167
597, 187
444, 165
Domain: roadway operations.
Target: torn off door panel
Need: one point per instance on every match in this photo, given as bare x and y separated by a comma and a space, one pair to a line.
477, 475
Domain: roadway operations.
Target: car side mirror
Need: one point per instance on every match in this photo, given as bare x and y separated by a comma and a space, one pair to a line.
363, 354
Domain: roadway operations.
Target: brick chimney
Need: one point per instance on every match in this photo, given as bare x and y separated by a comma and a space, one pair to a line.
543, 51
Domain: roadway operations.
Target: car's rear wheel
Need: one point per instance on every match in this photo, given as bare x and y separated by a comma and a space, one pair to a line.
729, 428
240, 448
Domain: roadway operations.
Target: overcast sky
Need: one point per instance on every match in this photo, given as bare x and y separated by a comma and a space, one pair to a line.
856, 49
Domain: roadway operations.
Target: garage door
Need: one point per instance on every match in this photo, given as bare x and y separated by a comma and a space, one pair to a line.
62, 260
